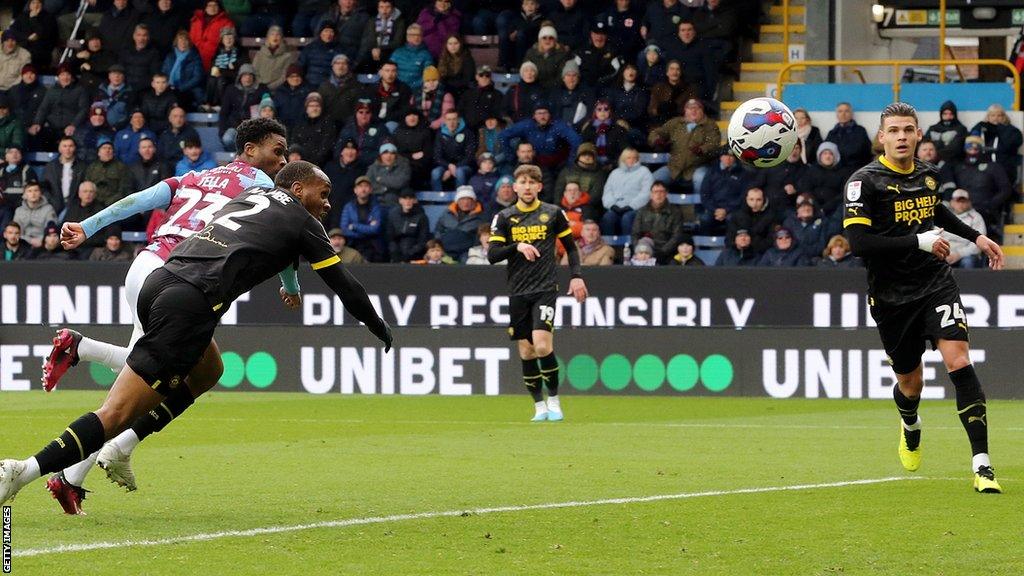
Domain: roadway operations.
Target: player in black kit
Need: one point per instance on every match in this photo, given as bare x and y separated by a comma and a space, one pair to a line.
525, 234
891, 209
252, 238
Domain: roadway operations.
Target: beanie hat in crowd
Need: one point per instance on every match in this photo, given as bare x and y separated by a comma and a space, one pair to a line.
571, 67
831, 147
431, 73
267, 102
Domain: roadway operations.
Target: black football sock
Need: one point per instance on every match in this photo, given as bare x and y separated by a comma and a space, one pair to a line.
532, 377
173, 405
80, 439
549, 370
906, 405
970, 406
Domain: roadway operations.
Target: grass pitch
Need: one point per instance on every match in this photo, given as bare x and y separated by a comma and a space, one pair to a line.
249, 461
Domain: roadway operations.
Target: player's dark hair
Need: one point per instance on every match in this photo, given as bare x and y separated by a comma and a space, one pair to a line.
256, 130
900, 109
298, 171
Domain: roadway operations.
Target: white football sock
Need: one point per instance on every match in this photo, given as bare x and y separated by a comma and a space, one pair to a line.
127, 441
554, 404
30, 473
76, 474
540, 407
110, 355
980, 460
914, 426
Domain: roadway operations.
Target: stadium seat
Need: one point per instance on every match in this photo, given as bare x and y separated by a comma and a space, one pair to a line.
203, 118
41, 157
708, 242
210, 137
684, 199
434, 212
616, 241
709, 256
368, 78
649, 158
223, 158
484, 49
439, 197
129, 236
503, 81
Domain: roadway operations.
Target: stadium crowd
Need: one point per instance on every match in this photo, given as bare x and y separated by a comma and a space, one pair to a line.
388, 98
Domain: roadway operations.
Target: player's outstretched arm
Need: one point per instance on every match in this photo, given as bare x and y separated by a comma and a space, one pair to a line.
354, 297
290, 292
577, 287
864, 242
73, 234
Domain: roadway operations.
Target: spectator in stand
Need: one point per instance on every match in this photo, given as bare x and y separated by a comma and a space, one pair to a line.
243, 96
525, 154
629, 100
36, 29
113, 249
576, 205
626, 190
837, 254
652, 67
148, 170
643, 254
15, 174
116, 97
482, 101
93, 61
661, 21
668, 99
593, 249
347, 254
14, 247
343, 172
504, 196
927, 152
435, 254
757, 218
141, 60
51, 248
586, 172
517, 37
267, 109
598, 62
477, 255
366, 133
808, 135
117, 25
694, 141
739, 251
572, 101
412, 58
438, 23
456, 228
851, 139
948, 134
25, 99
415, 141
349, 21
808, 228
432, 99
784, 253
696, 61
718, 27
825, 179
290, 97
383, 33
407, 229
454, 149
623, 21
205, 27
685, 255
485, 179
554, 141
194, 159
549, 56
340, 91
389, 97
184, 69
12, 59
780, 182
389, 175
164, 22
109, 175
156, 103
172, 140
489, 140
521, 99
317, 56
273, 59
226, 63
62, 175
722, 192
64, 106
457, 66
34, 214
315, 133
362, 222
83, 206
605, 133
11, 132
90, 132
962, 252
126, 140
661, 222
1002, 138
989, 189
570, 21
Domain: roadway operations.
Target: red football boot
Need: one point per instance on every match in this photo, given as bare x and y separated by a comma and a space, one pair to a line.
68, 495
64, 355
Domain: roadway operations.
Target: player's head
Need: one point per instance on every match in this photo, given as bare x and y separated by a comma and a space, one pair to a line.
262, 142
309, 184
528, 182
898, 132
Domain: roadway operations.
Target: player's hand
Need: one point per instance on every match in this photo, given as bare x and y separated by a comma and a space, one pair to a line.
72, 235
992, 250
578, 289
385, 335
292, 301
932, 242
529, 251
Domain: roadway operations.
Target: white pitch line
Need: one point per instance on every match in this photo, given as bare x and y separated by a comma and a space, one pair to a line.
203, 537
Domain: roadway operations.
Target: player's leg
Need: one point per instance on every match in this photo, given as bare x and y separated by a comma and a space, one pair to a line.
902, 331
543, 346
907, 394
533, 379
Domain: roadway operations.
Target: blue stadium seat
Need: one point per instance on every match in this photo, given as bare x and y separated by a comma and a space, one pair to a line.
129, 236
708, 256
684, 199
445, 198
434, 212
709, 242
620, 240
224, 157
368, 78
503, 81
40, 157
203, 118
210, 137
648, 158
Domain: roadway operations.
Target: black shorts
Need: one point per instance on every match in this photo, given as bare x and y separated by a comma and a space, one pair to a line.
905, 328
179, 323
529, 312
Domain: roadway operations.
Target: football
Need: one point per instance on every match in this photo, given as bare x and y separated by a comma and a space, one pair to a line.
762, 132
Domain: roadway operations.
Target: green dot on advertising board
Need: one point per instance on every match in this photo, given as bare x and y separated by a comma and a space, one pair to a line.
582, 372
234, 369
649, 372
683, 372
261, 369
616, 372
716, 372
101, 374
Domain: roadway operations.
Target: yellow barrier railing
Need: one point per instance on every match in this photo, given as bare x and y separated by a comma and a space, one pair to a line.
785, 31
783, 76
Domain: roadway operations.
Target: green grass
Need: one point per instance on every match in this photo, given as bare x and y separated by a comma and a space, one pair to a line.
238, 461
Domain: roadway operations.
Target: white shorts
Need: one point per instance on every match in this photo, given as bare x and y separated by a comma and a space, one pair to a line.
142, 266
